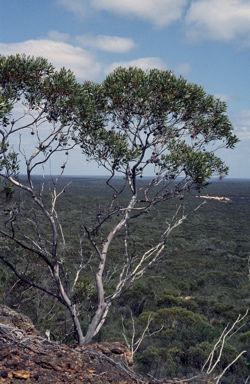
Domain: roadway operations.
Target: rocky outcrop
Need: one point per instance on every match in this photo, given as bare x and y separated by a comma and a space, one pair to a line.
32, 359
27, 357
12, 318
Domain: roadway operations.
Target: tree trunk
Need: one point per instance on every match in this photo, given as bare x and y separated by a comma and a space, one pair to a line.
96, 322
77, 325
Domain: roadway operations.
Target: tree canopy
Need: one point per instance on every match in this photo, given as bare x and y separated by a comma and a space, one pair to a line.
165, 122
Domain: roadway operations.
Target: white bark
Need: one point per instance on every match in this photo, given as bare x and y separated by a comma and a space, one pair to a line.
211, 364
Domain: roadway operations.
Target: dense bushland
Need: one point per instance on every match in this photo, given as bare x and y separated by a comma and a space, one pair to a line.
191, 295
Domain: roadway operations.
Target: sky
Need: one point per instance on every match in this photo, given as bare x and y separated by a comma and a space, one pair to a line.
205, 41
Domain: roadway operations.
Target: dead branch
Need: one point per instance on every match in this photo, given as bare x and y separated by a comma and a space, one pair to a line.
226, 334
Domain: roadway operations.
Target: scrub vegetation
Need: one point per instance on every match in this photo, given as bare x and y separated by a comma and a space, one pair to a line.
191, 294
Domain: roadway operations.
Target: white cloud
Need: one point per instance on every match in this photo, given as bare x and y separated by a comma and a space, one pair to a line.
243, 134
78, 7
143, 63
241, 122
242, 119
224, 20
107, 43
183, 69
81, 62
225, 97
159, 12
58, 36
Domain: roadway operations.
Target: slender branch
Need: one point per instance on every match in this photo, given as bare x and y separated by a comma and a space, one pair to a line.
217, 378
31, 283
38, 251
226, 334
134, 345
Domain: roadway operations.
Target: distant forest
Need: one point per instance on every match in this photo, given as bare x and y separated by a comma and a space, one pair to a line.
202, 284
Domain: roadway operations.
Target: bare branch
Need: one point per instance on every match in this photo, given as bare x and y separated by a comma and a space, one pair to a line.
27, 281
226, 334
217, 378
134, 345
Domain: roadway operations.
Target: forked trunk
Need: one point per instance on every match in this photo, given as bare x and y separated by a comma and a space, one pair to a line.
96, 322
77, 325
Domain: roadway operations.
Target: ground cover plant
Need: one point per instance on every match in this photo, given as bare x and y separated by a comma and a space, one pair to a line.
133, 121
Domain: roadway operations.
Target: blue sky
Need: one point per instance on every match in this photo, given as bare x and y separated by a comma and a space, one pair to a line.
206, 41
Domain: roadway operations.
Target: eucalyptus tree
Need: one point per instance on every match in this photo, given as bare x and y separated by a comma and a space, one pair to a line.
167, 128
132, 122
